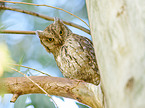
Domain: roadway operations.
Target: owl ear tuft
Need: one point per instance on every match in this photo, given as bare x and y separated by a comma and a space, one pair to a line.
57, 20
39, 33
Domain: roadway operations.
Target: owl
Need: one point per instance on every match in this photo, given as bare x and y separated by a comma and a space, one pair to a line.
74, 54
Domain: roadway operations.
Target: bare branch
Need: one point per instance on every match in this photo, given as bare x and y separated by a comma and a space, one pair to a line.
14, 98
45, 17
17, 32
47, 6
30, 68
34, 84
75, 89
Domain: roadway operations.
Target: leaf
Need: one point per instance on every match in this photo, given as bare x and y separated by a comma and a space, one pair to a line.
81, 105
41, 101
4, 58
20, 62
60, 98
21, 102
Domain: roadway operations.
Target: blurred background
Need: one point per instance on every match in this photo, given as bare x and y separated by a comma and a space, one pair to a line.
27, 50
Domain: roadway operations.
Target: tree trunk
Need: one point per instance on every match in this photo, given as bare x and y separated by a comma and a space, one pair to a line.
118, 32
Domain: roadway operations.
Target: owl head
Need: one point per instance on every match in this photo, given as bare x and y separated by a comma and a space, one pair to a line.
54, 35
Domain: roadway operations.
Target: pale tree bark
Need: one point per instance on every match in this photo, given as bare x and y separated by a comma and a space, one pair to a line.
118, 31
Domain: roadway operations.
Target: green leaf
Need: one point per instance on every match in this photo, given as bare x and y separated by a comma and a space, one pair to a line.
81, 105
41, 101
60, 98
20, 102
20, 62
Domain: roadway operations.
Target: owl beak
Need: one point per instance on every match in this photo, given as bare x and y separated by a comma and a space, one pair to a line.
40, 33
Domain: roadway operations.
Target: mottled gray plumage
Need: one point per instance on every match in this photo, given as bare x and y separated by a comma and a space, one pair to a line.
74, 54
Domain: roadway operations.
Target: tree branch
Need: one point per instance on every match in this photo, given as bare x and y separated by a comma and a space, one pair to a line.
47, 6
14, 98
17, 32
78, 90
45, 17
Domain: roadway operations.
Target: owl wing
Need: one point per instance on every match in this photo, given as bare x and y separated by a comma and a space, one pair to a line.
76, 59
81, 50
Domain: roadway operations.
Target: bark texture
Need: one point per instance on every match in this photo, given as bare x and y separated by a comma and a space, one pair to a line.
86, 93
118, 31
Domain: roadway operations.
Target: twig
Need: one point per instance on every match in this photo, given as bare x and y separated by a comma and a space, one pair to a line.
35, 84
17, 32
31, 68
47, 6
46, 17
14, 98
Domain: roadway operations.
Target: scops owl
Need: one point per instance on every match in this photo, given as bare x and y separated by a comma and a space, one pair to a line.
74, 54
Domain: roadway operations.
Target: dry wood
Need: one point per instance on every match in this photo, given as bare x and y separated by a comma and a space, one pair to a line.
86, 93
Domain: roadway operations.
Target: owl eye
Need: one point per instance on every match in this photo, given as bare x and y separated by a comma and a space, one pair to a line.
50, 39
61, 33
